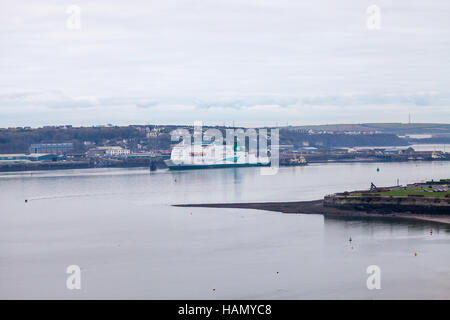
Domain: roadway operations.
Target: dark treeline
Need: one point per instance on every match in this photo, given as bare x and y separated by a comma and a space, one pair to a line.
19, 140
328, 140
400, 129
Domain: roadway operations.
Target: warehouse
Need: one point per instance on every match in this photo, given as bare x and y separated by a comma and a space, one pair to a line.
28, 157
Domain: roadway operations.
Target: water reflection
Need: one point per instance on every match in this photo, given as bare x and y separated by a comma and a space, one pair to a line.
381, 227
119, 224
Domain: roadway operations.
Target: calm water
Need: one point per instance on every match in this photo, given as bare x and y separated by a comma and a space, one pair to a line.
119, 226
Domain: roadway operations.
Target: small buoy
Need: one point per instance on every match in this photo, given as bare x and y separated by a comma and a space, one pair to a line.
431, 231
378, 169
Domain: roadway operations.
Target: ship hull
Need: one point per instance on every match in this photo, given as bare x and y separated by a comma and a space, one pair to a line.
173, 166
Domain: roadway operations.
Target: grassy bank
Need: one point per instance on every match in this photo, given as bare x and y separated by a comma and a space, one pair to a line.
405, 193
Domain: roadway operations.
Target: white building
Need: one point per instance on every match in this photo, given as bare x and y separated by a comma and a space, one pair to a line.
113, 151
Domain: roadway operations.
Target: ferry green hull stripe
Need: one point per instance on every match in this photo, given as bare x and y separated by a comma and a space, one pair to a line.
215, 166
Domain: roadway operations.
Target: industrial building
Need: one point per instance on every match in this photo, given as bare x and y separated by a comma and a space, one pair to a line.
55, 148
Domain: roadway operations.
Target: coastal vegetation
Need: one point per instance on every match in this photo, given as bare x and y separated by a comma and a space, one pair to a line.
431, 189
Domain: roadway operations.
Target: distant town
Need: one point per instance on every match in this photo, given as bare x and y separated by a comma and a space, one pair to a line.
64, 147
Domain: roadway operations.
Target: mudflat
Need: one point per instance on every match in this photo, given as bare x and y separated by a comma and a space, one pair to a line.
317, 207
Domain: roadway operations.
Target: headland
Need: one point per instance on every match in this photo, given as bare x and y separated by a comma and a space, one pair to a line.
428, 201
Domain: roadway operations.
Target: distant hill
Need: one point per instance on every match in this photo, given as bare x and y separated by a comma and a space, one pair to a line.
394, 128
141, 138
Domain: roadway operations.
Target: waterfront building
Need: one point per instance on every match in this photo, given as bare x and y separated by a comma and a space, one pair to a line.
308, 149
11, 157
28, 157
108, 151
143, 155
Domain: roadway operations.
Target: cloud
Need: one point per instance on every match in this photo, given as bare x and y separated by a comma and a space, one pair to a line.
146, 104
169, 61
14, 98
54, 99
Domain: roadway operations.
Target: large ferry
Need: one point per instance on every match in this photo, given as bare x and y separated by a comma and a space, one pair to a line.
210, 155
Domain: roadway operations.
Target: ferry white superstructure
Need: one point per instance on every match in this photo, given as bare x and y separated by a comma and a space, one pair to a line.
211, 155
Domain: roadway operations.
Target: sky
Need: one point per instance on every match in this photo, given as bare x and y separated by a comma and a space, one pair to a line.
254, 62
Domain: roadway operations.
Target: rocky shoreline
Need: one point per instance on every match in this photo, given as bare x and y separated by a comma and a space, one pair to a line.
317, 207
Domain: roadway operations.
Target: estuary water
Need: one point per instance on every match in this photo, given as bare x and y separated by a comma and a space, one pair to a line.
119, 227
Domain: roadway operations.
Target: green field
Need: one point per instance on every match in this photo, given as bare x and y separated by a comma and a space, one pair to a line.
405, 193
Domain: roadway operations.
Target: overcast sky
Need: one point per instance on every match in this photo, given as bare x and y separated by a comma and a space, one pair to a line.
257, 62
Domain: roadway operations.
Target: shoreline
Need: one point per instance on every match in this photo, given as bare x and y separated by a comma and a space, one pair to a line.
71, 165
49, 166
316, 207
